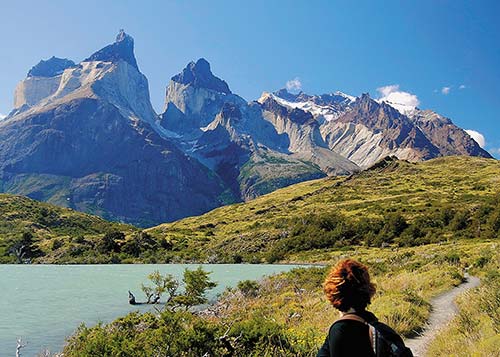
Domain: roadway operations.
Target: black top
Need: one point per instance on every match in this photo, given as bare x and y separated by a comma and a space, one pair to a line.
348, 338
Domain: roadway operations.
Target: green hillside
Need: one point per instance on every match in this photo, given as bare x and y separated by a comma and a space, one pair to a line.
50, 233
394, 202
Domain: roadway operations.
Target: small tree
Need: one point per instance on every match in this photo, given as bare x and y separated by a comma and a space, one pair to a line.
24, 248
196, 283
110, 242
162, 284
148, 291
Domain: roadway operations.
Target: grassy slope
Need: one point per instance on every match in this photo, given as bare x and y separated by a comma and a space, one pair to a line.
48, 223
249, 231
267, 171
410, 189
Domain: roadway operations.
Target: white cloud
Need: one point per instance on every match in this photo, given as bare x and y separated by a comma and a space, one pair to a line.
294, 85
477, 136
402, 101
462, 86
386, 90
494, 151
445, 90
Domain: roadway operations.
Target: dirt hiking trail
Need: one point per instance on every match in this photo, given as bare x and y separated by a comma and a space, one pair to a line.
443, 311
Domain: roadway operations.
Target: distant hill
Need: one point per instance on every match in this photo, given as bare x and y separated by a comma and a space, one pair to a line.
58, 234
394, 202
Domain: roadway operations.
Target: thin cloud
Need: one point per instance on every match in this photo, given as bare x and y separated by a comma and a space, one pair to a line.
445, 90
294, 85
462, 86
477, 136
401, 100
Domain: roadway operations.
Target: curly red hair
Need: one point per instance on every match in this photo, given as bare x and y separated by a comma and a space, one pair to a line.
348, 286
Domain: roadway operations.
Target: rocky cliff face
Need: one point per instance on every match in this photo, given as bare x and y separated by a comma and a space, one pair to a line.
121, 50
370, 131
96, 139
365, 131
42, 81
302, 130
446, 136
252, 148
193, 98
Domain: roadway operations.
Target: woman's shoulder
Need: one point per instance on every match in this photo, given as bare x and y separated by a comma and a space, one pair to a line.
344, 325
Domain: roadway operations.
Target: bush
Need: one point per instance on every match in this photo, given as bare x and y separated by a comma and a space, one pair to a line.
110, 242
248, 287
56, 244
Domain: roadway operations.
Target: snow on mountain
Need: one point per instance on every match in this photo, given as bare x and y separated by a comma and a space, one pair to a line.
324, 107
403, 108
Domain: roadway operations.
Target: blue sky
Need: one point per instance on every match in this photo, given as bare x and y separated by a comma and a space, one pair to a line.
424, 47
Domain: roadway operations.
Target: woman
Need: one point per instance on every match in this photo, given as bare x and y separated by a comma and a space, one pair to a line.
357, 332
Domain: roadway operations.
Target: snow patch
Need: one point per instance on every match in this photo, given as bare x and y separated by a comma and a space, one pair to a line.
342, 94
326, 112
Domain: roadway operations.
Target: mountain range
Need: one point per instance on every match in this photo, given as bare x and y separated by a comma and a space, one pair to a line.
85, 136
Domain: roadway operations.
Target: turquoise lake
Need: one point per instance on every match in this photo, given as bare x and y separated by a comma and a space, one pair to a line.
43, 304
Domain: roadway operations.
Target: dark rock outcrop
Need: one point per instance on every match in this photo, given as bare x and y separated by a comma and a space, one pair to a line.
199, 75
122, 49
52, 67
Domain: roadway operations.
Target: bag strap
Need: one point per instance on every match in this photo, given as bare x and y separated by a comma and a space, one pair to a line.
372, 332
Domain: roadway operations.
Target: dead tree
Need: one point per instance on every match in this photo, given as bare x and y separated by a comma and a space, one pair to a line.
20, 346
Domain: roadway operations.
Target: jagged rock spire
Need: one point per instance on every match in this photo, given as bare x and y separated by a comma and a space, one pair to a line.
199, 75
122, 49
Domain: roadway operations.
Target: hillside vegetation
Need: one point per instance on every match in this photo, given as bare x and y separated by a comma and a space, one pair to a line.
32, 231
394, 202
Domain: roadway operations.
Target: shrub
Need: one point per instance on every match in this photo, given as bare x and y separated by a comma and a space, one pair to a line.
248, 287
110, 242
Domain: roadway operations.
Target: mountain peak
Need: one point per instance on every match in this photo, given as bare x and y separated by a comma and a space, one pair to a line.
50, 68
283, 93
122, 36
121, 49
200, 75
